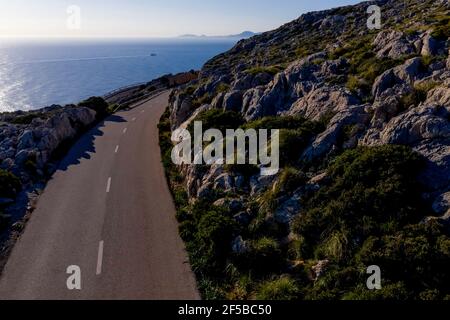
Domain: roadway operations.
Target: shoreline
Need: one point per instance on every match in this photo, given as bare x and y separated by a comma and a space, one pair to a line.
20, 123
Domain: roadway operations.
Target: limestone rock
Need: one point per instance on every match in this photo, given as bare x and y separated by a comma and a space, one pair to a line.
392, 44
403, 74
322, 101
422, 123
327, 140
441, 204
233, 101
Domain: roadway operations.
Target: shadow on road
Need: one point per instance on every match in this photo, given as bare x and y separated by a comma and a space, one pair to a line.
84, 146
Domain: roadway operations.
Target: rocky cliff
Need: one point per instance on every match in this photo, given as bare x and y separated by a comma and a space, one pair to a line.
31, 144
365, 89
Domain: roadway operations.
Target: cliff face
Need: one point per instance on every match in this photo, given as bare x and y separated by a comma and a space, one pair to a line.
392, 84
368, 89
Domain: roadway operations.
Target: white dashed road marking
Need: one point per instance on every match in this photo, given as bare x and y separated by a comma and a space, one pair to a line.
100, 258
125, 130
117, 149
108, 186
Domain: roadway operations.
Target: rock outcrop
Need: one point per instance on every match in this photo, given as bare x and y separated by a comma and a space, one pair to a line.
362, 89
34, 143
313, 86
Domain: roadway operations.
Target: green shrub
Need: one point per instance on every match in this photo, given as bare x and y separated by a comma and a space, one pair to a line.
242, 289
289, 180
369, 188
263, 256
391, 291
211, 289
442, 31
222, 87
218, 119
417, 95
297, 249
189, 90
426, 61
4, 220
292, 144
200, 101
283, 289
25, 119
268, 202
294, 131
302, 52
273, 70
9, 184
98, 104
430, 295
284, 122
365, 67
180, 197
209, 231
354, 84
370, 212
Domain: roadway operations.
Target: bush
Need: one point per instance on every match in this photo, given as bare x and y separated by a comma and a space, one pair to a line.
218, 119
442, 31
180, 197
283, 289
98, 104
263, 256
25, 119
200, 101
189, 90
211, 238
391, 291
354, 84
289, 180
369, 188
292, 144
417, 95
222, 87
273, 70
370, 212
294, 131
284, 122
9, 185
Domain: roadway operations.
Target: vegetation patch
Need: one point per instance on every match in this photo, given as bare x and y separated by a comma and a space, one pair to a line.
370, 213
9, 184
98, 104
418, 95
272, 70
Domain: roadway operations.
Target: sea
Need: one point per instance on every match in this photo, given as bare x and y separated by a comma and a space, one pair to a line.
36, 73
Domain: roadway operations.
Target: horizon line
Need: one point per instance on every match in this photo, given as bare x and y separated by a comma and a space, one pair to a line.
179, 36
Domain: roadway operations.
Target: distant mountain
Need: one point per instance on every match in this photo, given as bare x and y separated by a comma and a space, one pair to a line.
242, 35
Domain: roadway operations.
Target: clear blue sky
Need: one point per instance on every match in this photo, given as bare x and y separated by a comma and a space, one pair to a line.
152, 18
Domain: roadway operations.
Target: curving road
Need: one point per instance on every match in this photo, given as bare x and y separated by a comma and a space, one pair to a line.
107, 210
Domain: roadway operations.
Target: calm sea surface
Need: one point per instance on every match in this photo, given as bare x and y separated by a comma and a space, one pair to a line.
35, 74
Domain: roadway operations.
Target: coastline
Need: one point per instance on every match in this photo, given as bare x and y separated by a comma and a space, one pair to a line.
23, 124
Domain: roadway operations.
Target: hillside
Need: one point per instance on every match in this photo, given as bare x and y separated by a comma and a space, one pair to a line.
365, 152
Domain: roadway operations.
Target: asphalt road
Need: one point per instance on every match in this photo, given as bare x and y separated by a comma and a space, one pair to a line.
107, 210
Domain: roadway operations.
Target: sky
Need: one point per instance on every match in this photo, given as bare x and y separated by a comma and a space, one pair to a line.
150, 18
